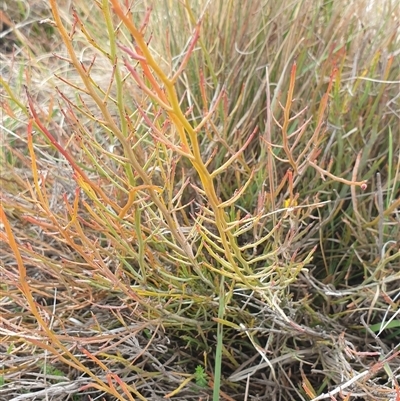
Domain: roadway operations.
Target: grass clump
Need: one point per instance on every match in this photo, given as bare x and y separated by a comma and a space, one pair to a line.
200, 201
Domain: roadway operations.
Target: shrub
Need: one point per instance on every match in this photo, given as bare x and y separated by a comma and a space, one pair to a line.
196, 184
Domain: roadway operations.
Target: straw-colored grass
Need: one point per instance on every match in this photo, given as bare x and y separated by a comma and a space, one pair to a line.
200, 200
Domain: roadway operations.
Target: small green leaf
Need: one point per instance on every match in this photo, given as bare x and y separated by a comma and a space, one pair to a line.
377, 327
200, 376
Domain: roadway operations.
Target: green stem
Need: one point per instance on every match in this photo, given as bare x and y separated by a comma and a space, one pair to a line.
220, 336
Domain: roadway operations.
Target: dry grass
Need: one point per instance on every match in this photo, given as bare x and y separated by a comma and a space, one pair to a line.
200, 201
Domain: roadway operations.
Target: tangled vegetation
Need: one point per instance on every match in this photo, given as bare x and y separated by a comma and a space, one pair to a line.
200, 200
